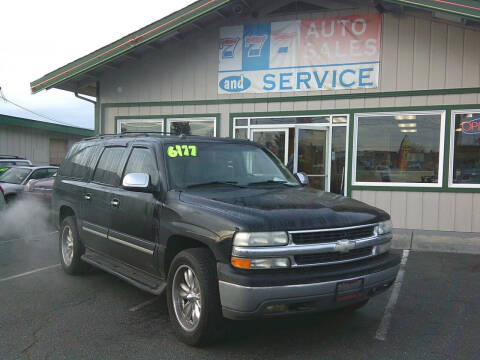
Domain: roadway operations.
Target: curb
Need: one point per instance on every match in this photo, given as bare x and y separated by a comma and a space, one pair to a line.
437, 241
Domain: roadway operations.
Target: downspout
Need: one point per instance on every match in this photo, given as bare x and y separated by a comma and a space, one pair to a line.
84, 98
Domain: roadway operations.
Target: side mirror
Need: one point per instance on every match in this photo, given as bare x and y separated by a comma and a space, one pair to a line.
136, 182
302, 177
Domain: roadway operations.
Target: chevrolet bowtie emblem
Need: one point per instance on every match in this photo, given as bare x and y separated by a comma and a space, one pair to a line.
344, 246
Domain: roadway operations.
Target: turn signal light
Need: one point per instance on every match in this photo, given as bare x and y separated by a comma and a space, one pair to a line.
241, 263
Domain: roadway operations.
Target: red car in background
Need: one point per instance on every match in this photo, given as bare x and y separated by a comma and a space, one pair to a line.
40, 190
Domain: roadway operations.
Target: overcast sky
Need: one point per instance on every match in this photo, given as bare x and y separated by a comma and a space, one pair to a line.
40, 36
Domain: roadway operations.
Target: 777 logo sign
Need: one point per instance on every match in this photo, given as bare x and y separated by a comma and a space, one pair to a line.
228, 46
283, 42
254, 45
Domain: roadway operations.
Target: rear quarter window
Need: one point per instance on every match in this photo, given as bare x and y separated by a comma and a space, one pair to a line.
76, 165
107, 169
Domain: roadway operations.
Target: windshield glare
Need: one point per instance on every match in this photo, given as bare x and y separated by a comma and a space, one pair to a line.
14, 175
239, 164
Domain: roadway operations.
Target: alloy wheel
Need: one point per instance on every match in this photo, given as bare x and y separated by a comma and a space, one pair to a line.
67, 245
187, 297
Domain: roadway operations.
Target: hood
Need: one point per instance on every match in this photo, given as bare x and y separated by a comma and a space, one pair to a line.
284, 208
11, 188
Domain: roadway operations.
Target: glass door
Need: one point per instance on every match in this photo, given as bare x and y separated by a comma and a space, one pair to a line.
275, 140
312, 155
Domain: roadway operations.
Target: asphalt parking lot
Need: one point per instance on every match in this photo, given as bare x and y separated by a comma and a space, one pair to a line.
46, 314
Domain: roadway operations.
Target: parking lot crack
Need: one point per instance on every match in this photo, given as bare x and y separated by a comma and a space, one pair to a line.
46, 321
35, 338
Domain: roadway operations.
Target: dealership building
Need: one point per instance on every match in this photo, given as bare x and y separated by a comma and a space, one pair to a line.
378, 100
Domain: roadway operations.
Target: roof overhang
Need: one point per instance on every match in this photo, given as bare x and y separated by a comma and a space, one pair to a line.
465, 8
80, 76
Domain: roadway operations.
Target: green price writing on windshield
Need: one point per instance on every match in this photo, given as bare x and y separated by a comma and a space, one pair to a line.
182, 150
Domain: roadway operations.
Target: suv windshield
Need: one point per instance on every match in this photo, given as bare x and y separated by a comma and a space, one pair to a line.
209, 164
14, 175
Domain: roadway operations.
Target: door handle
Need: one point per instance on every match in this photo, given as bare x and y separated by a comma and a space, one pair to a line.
87, 196
115, 202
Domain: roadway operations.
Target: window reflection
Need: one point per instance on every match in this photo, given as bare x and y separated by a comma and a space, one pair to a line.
466, 159
398, 148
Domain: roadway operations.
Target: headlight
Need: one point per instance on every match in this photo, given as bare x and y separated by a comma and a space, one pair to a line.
277, 238
267, 263
385, 227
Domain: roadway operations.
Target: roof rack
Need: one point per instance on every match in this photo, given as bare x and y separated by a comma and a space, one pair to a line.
134, 133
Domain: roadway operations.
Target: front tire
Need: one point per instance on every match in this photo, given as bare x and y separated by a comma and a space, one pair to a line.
193, 299
70, 247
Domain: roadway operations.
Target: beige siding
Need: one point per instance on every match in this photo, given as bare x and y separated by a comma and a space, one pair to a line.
417, 53
33, 144
427, 210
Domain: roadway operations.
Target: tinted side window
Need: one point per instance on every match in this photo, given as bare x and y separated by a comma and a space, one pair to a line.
39, 174
76, 166
7, 163
142, 161
107, 168
22, 163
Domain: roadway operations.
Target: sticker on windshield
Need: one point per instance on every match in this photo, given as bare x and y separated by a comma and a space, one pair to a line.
182, 150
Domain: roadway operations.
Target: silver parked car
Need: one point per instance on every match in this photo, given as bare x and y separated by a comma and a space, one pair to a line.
12, 160
14, 179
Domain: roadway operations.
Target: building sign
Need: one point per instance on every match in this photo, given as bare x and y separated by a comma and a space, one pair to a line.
471, 127
300, 55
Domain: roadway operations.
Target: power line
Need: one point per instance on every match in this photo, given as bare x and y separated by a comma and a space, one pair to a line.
2, 95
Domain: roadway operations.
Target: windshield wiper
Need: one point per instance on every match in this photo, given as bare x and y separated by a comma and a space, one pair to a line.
268, 182
231, 183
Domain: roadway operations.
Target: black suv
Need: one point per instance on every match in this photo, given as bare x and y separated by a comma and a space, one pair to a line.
222, 224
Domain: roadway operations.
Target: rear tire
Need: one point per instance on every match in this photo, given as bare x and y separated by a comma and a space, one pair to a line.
193, 299
70, 248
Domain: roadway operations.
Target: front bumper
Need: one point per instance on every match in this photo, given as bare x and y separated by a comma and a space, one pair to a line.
245, 296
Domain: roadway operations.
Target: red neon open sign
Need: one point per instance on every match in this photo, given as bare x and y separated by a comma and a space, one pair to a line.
471, 127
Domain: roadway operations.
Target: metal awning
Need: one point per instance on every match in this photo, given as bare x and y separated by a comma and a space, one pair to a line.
469, 9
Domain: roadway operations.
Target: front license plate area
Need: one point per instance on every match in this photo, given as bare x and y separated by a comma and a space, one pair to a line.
349, 290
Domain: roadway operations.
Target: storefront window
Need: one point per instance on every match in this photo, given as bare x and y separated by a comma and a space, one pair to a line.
241, 122
466, 148
134, 125
200, 127
241, 133
399, 148
337, 171
314, 144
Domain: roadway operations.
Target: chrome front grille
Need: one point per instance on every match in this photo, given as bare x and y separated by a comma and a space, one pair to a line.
322, 247
332, 257
317, 237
